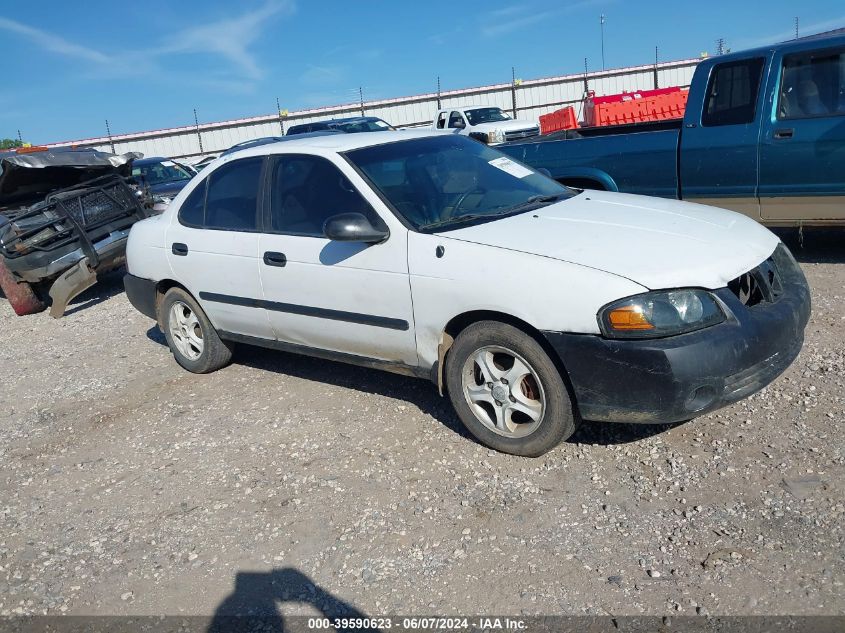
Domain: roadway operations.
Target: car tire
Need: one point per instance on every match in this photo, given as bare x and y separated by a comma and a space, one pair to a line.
191, 337
20, 294
507, 391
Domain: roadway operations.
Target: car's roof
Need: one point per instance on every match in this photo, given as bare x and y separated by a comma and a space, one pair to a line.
339, 142
474, 106
354, 119
150, 160
820, 40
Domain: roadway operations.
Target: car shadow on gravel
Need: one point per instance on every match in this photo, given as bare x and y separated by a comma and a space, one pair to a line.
417, 392
609, 433
254, 603
815, 245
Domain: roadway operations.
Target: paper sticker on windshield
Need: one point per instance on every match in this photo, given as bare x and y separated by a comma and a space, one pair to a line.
514, 169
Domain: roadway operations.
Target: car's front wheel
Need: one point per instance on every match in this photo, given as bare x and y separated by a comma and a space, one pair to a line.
190, 335
507, 391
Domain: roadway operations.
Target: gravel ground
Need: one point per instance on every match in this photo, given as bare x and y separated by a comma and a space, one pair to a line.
129, 486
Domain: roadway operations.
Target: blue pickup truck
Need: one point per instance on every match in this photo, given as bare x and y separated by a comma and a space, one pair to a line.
763, 134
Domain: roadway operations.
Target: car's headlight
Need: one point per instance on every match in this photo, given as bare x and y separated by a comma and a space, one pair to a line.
496, 136
660, 313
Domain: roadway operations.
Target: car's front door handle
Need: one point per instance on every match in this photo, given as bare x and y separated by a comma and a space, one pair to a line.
784, 133
272, 258
179, 249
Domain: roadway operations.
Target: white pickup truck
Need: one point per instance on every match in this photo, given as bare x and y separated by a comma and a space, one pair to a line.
486, 123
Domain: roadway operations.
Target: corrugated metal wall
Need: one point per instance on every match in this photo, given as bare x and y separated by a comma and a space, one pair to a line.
533, 98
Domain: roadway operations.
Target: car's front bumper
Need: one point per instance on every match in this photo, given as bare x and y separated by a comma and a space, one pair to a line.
41, 265
679, 377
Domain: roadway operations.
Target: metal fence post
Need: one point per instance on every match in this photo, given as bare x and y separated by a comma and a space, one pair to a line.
108, 132
586, 85
197, 128
655, 69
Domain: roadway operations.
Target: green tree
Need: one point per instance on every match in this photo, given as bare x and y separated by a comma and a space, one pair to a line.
9, 143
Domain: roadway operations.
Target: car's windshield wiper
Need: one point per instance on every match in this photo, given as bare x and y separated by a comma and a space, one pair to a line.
458, 220
530, 203
534, 202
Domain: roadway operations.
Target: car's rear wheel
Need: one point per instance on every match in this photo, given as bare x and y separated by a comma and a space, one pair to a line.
507, 391
190, 335
20, 294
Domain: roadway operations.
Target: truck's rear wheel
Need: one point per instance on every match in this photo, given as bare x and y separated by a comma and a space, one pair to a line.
20, 294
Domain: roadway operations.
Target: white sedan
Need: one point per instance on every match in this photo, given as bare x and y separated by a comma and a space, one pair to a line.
532, 305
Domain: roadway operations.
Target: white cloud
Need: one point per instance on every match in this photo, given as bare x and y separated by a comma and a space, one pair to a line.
229, 38
320, 75
783, 36
53, 43
514, 24
519, 16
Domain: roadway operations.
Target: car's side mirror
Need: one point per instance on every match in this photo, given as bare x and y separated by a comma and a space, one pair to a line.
459, 125
352, 227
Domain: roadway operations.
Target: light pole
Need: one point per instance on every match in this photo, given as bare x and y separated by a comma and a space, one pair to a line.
602, 20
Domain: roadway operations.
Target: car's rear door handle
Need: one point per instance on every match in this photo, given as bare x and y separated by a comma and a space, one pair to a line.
179, 249
272, 258
784, 133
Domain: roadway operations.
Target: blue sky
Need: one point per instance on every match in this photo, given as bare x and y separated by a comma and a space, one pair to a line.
68, 66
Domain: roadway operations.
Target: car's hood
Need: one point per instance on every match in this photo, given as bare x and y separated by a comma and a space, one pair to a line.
30, 177
168, 189
655, 242
511, 125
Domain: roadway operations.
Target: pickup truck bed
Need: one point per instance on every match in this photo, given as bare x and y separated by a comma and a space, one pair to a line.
763, 134
625, 151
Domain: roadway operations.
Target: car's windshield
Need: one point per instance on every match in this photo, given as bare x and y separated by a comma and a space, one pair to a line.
375, 125
444, 181
158, 173
485, 115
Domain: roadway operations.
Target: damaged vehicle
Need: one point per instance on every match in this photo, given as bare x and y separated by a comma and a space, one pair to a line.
530, 304
65, 217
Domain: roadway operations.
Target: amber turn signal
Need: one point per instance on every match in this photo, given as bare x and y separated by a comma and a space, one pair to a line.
629, 318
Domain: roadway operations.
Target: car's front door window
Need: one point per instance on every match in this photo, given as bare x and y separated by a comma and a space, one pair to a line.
307, 191
349, 297
456, 121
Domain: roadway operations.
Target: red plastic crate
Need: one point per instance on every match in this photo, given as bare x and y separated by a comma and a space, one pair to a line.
563, 119
637, 107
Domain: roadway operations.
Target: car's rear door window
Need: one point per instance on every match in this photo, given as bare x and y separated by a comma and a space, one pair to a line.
192, 211
232, 198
